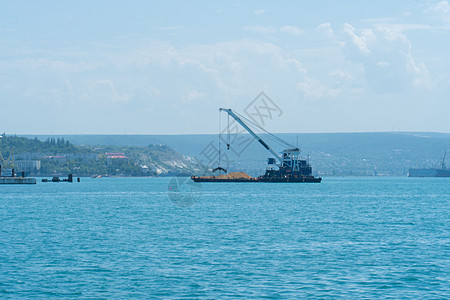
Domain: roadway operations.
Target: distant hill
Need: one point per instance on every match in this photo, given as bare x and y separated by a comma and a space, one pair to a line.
381, 153
58, 156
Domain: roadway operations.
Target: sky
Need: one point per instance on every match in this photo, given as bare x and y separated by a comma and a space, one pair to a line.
165, 67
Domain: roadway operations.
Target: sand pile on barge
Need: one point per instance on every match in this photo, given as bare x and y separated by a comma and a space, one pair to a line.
235, 175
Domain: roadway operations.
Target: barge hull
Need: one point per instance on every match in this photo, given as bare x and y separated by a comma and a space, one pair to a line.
275, 180
429, 173
17, 180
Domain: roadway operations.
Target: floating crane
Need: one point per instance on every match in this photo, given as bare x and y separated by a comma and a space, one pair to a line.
287, 167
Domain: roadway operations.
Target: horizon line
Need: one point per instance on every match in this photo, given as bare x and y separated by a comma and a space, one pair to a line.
175, 134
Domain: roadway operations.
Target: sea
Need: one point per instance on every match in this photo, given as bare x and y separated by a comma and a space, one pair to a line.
170, 238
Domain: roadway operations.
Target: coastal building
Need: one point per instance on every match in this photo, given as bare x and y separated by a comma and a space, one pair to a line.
27, 165
116, 157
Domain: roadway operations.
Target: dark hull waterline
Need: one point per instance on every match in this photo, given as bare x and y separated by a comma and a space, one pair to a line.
258, 179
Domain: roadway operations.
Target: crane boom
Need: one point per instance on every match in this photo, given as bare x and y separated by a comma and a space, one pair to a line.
254, 135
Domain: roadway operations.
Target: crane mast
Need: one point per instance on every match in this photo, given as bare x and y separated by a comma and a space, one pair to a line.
253, 134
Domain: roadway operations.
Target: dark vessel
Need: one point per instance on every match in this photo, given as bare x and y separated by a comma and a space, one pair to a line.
287, 167
432, 172
291, 169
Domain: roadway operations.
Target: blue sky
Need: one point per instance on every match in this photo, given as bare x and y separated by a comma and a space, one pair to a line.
165, 67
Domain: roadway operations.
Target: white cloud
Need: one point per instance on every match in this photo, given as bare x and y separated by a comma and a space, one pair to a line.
170, 28
193, 95
341, 75
314, 89
420, 71
358, 41
260, 29
169, 77
9, 30
394, 55
69, 87
47, 65
221, 71
291, 30
298, 65
105, 90
440, 10
387, 57
326, 29
383, 64
260, 11
443, 6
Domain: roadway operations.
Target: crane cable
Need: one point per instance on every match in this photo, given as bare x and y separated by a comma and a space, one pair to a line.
228, 133
220, 146
271, 136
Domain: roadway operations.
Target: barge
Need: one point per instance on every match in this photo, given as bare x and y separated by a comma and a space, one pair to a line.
287, 167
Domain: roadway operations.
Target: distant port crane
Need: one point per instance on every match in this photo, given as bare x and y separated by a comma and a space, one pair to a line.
443, 160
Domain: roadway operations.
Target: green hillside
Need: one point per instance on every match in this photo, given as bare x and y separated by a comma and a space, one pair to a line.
56, 155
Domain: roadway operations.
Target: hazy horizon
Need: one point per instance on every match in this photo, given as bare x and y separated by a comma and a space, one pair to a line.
169, 134
165, 67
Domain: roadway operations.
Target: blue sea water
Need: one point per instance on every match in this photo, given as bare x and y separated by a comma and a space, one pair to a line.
366, 238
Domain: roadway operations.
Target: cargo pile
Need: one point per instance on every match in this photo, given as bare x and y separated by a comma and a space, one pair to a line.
235, 175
